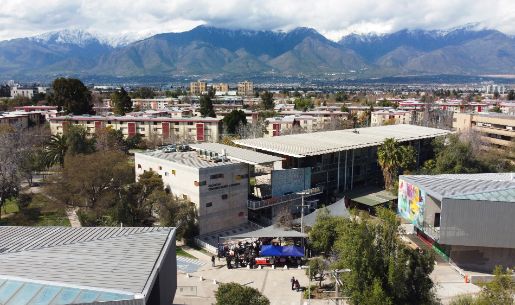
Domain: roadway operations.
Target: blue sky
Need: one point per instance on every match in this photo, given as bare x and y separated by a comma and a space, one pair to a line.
332, 18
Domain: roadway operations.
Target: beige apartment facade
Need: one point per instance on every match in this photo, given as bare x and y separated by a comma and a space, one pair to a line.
496, 130
221, 87
245, 88
170, 130
381, 117
198, 87
217, 187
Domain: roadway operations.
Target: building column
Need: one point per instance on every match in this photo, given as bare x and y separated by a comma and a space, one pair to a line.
352, 171
338, 178
345, 177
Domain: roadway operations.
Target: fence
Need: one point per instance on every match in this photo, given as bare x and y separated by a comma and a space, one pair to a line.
205, 246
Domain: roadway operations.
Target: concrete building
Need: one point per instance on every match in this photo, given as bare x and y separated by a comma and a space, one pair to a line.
22, 119
216, 185
167, 129
151, 103
198, 87
17, 91
221, 88
469, 217
341, 160
245, 88
496, 130
389, 117
100, 265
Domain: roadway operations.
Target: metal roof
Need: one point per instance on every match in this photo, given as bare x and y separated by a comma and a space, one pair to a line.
271, 231
115, 260
336, 209
452, 185
188, 158
507, 195
237, 154
318, 143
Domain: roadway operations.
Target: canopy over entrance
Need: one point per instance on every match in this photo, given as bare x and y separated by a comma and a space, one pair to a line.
271, 232
371, 196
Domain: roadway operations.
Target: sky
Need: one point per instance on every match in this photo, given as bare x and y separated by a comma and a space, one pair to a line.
332, 18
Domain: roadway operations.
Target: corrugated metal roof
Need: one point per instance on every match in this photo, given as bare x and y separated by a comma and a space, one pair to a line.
237, 154
188, 158
113, 259
507, 195
449, 186
318, 143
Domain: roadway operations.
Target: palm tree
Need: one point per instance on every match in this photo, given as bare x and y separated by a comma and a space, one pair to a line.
55, 150
392, 157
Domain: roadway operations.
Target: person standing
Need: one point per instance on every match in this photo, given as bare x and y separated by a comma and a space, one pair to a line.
293, 280
213, 260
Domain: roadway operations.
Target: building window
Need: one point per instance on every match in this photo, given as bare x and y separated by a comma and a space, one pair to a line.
241, 214
201, 183
209, 204
216, 176
184, 197
225, 196
139, 165
166, 174
437, 220
190, 123
173, 172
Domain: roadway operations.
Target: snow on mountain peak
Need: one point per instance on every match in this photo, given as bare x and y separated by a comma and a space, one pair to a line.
82, 38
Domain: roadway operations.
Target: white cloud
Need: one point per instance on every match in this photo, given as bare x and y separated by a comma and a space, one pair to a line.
332, 18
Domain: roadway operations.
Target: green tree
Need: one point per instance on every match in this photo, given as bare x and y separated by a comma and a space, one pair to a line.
324, 232
179, 214
93, 182
341, 96
454, 156
206, 106
303, 104
317, 269
511, 95
122, 102
381, 265
392, 157
234, 119
71, 95
267, 100
236, 294
78, 142
496, 109
143, 92
55, 150
344, 109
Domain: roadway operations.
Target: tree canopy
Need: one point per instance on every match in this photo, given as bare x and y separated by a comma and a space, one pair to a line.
234, 119
236, 294
206, 106
267, 100
143, 92
393, 157
381, 266
71, 95
121, 101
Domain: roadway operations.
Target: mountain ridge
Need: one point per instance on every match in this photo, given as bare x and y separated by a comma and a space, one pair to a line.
208, 50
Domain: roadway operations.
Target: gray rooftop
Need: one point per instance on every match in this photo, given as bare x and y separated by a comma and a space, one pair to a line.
188, 158
318, 143
237, 154
114, 260
465, 185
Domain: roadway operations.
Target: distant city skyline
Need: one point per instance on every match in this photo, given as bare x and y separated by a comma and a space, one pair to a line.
332, 18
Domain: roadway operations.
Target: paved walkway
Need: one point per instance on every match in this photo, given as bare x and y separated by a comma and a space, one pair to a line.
273, 283
73, 218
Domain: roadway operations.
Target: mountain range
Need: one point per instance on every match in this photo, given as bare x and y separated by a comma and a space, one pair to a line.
207, 50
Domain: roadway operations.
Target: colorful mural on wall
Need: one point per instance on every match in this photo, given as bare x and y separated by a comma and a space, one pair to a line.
411, 203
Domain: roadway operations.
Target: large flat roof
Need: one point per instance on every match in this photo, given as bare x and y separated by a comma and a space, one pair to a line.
187, 158
493, 186
79, 264
237, 154
318, 143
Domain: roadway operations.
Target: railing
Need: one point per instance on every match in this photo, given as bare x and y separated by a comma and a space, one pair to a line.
206, 246
259, 204
431, 231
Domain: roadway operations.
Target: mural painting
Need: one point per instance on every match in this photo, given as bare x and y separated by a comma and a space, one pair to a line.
411, 203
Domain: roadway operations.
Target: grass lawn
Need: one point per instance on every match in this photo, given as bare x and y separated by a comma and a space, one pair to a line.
181, 252
40, 212
10, 206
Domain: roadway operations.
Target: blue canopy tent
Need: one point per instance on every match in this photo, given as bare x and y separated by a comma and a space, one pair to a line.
293, 251
269, 250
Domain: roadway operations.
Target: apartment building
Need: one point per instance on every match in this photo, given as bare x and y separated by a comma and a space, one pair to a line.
290, 124
151, 103
221, 87
389, 117
245, 88
496, 130
166, 128
22, 92
216, 185
22, 119
198, 87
